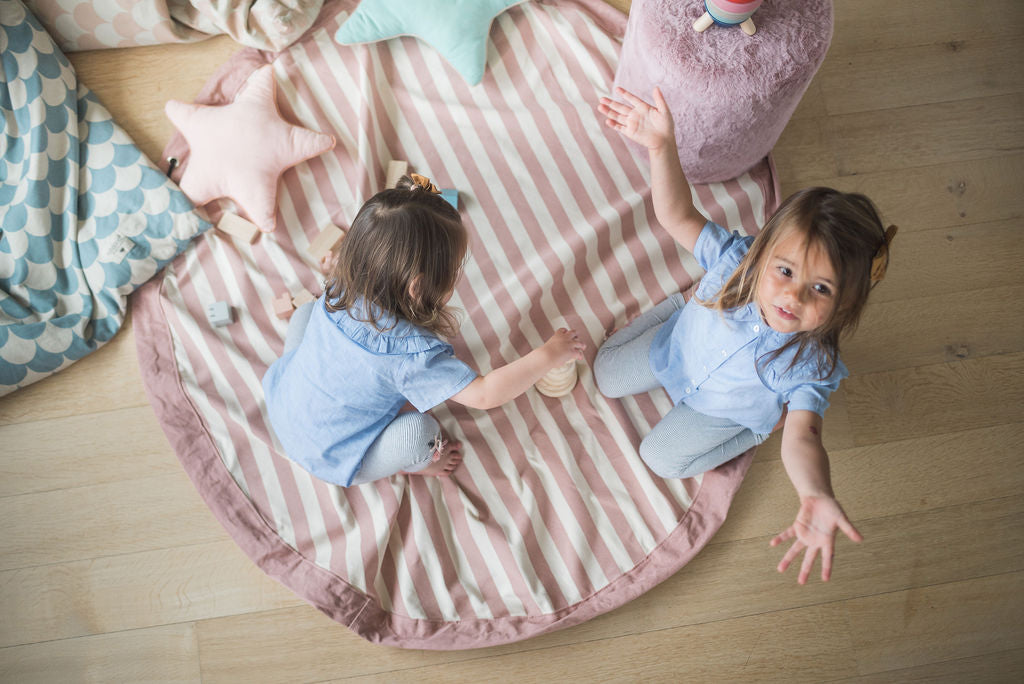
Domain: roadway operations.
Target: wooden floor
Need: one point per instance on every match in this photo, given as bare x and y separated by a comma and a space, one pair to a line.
113, 569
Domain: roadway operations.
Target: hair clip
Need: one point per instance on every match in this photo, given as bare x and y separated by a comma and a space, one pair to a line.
424, 183
881, 261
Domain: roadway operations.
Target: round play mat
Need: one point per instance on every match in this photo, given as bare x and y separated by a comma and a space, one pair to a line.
553, 518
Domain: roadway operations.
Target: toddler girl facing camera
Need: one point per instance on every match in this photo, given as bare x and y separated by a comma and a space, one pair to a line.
757, 346
373, 343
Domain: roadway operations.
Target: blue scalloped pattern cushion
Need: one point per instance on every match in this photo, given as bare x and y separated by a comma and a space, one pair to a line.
85, 217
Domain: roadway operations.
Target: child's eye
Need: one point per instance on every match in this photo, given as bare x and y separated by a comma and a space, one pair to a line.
786, 271
823, 290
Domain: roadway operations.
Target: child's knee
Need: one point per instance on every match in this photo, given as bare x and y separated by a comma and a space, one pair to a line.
414, 428
604, 373
670, 459
661, 458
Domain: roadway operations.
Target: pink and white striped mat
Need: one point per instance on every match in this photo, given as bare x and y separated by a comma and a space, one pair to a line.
553, 518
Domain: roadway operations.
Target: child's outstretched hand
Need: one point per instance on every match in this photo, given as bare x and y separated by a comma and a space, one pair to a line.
815, 527
563, 347
650, 126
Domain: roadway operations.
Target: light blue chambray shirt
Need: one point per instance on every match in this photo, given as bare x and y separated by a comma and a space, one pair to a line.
331, 397
709, 360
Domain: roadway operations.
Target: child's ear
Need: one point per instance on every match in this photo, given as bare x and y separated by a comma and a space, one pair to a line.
416, 287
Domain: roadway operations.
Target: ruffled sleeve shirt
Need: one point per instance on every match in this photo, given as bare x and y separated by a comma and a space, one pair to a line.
329, 398
718, 363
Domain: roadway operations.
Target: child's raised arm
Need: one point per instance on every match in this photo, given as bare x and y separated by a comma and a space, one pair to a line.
652, 127
508, 382
820, 515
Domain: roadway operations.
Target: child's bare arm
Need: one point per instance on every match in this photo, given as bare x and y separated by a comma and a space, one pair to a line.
820, 515
804, 455
508, 382
652, 127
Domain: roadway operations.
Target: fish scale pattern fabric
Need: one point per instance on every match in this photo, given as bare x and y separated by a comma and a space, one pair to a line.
85, 217
100, 24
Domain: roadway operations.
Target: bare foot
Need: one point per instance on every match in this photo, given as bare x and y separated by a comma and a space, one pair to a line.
445, 462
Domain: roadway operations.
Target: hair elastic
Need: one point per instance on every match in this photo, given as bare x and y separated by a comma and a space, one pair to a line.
881, 260
424, 182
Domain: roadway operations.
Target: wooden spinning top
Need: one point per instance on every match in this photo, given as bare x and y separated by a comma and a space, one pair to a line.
559, 381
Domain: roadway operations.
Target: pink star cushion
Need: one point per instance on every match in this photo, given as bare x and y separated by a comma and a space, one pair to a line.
240, 150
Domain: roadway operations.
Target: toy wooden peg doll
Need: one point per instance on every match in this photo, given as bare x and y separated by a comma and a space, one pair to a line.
728, 13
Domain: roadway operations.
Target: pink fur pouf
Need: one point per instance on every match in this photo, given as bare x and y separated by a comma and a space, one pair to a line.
731, 94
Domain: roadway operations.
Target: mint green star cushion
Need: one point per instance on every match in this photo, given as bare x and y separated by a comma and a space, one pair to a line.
458, 29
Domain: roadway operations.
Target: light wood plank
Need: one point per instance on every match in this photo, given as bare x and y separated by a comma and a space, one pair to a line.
104, 380
103, 520
956, 193
891, 139
706, 589
317, 655
727, 580
882, 24
297, 644
75, 451
164, 654
168, 72
135, 590
804, 151
903, 479
621, 5
710, 587
900, 138
812, 103
921, 74
918, 332
1005, 666
937, 399
954, 260
943, 622
806, 645
837, 432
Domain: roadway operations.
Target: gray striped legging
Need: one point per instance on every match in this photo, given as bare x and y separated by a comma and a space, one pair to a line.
685, 442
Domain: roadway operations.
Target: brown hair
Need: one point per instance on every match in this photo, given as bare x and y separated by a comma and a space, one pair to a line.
405, 238
847, 227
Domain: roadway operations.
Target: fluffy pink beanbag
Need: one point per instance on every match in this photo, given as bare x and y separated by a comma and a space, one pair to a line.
730, 94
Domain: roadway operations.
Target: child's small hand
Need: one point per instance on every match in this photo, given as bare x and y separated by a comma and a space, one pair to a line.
815, 527
651, 126
563, 347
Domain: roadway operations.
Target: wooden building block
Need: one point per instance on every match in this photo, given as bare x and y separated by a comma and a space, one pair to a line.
303, 297
559, 381
396, 169
219, 314
283, 306
236, 226
325, 242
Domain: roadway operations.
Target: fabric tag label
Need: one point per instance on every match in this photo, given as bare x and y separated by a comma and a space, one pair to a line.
117, 249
